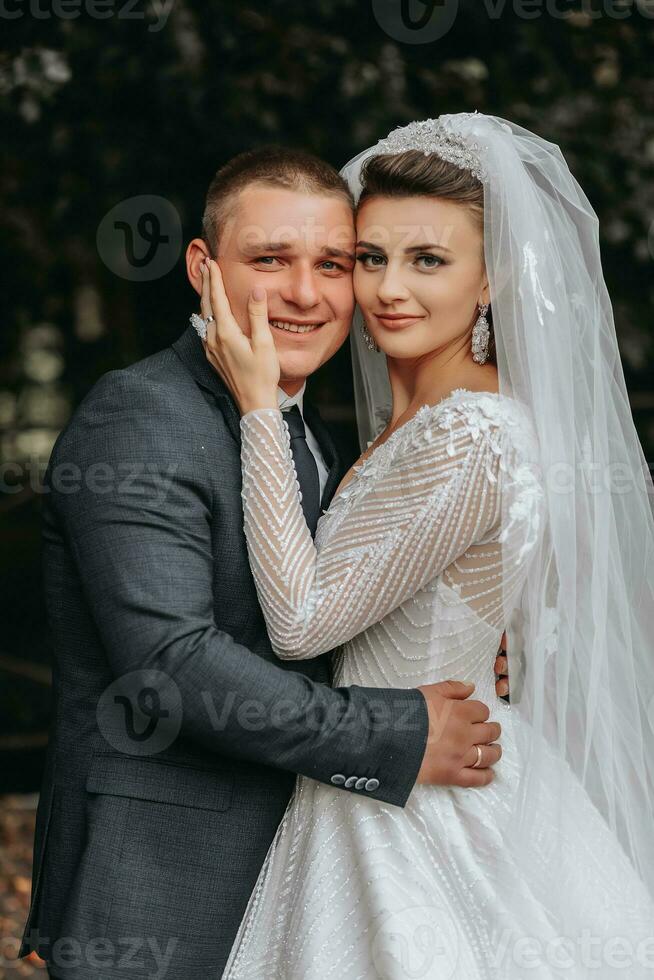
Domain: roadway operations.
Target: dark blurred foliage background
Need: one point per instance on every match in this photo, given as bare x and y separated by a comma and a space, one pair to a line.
149, 99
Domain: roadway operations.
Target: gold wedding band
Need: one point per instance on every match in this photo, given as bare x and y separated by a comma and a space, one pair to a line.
478, 762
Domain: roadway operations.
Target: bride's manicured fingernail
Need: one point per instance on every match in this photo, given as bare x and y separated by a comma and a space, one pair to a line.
258, 293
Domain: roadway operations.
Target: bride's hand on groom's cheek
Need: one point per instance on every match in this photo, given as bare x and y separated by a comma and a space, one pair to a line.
249, 366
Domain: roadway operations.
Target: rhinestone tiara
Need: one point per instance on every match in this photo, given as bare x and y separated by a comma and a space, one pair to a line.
430, 136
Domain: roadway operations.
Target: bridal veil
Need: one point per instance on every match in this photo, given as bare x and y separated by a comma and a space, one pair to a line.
583, 677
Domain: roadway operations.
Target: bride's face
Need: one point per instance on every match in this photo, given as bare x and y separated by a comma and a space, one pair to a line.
419, 275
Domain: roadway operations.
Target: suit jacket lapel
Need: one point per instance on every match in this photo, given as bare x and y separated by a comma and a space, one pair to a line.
189, 348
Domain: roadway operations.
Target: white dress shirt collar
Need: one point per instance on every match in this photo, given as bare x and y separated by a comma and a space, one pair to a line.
285, 401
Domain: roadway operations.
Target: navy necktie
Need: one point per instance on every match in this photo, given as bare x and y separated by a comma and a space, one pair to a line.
305, 467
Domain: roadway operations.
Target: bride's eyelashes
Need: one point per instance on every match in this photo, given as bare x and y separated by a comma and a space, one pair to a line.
363, 257
435, 263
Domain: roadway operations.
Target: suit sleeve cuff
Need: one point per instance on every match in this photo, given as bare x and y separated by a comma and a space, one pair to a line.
391, 756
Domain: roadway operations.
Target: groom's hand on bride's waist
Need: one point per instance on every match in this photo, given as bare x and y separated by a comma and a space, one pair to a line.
457, 725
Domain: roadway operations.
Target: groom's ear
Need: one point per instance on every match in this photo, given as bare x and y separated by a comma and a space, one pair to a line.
196, 252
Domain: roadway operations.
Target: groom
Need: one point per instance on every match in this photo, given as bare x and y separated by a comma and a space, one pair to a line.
177, 734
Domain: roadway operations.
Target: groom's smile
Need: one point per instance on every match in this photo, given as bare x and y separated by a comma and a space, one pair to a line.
300, 248
296, 326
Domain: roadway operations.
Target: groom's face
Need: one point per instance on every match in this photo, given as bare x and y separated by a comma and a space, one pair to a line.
300, 248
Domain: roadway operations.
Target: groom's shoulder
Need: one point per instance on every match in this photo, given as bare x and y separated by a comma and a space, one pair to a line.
153, 396
156, 381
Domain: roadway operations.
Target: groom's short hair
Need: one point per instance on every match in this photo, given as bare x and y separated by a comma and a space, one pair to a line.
276, 166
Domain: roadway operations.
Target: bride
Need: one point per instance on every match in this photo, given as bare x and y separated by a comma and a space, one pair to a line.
501, 476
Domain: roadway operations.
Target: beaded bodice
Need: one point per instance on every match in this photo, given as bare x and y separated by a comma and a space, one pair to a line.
415, 561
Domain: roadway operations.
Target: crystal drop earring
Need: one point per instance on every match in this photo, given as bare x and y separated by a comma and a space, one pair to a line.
369, 340
480, 336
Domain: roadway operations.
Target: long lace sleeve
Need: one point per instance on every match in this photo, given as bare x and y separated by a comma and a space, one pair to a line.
415, 506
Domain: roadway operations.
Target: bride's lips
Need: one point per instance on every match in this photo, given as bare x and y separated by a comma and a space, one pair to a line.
393, 321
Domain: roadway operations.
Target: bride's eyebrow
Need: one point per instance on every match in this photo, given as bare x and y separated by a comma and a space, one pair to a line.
377, 248
423, 248
412, 248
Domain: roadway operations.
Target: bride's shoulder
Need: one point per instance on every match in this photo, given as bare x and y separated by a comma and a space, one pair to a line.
478, 413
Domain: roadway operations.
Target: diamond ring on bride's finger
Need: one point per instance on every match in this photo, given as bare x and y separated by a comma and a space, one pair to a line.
199, 325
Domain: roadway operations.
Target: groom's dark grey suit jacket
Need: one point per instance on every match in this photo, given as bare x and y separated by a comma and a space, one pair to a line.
176, 732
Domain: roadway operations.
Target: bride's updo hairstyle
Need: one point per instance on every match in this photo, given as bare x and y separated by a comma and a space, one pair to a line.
414, 174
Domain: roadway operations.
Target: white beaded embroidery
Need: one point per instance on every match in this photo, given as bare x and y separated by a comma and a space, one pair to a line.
427, 494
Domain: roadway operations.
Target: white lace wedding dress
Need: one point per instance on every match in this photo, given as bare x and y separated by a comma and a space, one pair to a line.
405, 577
